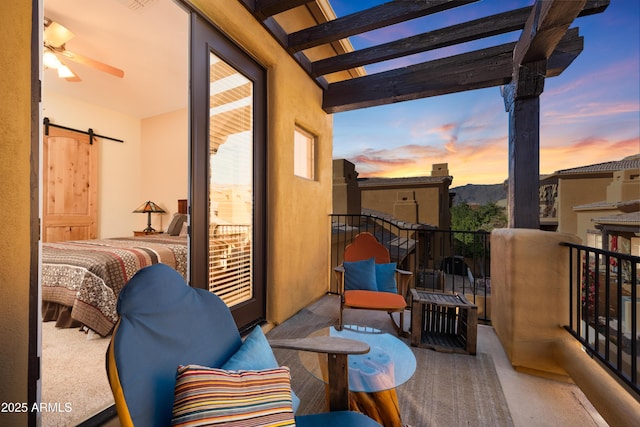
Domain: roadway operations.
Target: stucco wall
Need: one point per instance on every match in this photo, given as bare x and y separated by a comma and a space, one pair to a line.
574, 192
15, 193
427, 198
529, 295
298, 222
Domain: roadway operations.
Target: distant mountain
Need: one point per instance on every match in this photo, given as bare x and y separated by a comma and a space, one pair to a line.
480, 194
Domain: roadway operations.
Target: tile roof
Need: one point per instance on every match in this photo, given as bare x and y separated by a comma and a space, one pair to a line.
623, 205
632, 218
631, 162
414, 180
399, 223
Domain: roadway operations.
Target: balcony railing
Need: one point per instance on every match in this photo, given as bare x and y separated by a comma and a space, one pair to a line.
441, 260
603, 308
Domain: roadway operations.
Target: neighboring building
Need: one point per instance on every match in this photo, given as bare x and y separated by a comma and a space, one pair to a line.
346, 193
419, 200
571, 199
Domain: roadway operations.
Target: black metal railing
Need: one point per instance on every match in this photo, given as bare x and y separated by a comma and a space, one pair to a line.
603, 308
441, 260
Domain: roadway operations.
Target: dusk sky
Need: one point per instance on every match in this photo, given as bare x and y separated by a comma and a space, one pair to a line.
589, 114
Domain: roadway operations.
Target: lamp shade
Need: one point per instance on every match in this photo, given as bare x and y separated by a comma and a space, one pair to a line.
149, 207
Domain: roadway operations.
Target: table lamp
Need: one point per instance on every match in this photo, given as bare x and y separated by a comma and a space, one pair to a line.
149, 207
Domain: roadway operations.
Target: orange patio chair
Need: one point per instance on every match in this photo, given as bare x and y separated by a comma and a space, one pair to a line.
368, 280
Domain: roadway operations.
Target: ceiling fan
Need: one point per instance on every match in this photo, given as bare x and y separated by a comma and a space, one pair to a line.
55, 36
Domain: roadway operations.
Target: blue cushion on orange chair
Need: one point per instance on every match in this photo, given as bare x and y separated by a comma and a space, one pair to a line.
153, 318
386, 277
360, 275
256, 354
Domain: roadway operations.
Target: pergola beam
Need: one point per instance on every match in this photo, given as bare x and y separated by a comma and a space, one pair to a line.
448, 36
474, 70
380, 16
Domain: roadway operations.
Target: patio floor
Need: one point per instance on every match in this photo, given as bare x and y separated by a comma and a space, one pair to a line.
448, 389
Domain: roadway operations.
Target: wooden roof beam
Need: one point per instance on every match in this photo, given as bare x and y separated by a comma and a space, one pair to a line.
474, 70
477, 29
266, 8
367, 20
546, 25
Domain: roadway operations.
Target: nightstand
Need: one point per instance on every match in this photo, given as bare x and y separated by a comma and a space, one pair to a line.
145, 233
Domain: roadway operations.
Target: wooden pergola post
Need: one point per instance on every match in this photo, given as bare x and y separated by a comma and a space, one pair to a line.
522, 102
546, 25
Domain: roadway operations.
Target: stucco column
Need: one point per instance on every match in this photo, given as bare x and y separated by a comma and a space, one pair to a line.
17, 389
530, 295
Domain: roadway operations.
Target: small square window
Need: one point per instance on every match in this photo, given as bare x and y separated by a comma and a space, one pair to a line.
304, 154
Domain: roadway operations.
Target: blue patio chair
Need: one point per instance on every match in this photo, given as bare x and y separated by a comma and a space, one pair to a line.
164, 324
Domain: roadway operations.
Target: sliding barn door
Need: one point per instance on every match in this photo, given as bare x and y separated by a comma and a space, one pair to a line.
70, 186
228, 209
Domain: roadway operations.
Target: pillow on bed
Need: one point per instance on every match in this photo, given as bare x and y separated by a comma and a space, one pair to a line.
209, 396
176, 224
184, 231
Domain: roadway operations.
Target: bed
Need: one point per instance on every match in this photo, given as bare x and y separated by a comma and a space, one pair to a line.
81, 279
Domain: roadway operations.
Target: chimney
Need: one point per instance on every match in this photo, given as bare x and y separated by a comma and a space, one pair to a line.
440, 169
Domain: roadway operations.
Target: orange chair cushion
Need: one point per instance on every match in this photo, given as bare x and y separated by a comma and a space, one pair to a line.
374, 300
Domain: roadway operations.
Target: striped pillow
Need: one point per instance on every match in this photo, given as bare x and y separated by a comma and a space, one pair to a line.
209, 396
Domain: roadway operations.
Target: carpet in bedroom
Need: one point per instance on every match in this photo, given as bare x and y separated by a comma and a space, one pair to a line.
73, 375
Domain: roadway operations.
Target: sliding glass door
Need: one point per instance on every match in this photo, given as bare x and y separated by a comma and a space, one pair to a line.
228, 174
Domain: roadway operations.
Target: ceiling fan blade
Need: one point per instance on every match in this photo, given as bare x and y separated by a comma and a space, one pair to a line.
74, 79
92, 63
55, 34
68, 74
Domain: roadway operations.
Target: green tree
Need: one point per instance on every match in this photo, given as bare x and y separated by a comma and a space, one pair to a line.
475, 218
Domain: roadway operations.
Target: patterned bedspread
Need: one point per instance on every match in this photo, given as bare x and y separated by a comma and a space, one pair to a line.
87, 275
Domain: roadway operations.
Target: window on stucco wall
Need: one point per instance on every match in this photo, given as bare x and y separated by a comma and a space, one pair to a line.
304, 145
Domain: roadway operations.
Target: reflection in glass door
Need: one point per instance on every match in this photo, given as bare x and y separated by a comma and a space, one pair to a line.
228, 174
231, 183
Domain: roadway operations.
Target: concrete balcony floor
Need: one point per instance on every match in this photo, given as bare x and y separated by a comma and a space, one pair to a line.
533, 400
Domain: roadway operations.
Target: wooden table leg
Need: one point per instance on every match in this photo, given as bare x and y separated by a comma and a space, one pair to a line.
339, 380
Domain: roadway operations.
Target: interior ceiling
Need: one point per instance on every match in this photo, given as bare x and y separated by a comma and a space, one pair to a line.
151, 46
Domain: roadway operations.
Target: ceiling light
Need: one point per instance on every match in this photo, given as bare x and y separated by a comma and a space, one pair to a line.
64, 72
50, 60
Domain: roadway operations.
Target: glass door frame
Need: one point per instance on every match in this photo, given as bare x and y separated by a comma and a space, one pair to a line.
206, 39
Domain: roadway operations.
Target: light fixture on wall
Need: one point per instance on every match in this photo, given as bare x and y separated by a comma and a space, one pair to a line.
149, 207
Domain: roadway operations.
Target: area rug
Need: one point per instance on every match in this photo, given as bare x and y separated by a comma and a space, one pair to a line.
446, 390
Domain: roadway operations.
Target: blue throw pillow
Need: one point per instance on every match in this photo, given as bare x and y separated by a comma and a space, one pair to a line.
386, 277
360, 275
255, 354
